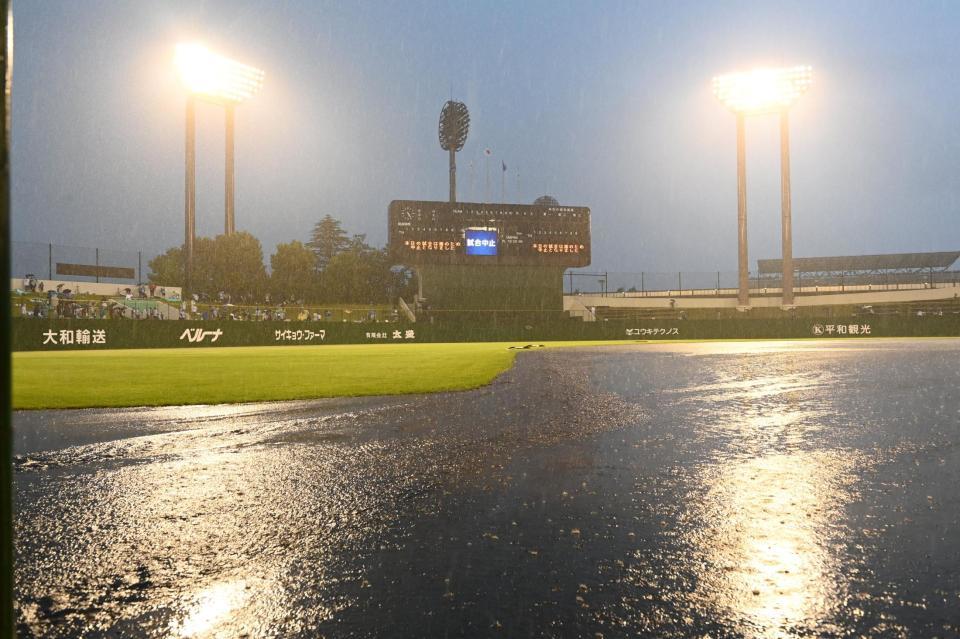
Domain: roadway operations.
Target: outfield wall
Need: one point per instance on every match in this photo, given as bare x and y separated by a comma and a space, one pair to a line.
54, 335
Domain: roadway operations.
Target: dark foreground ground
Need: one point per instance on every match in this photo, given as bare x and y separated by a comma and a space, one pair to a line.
769, 489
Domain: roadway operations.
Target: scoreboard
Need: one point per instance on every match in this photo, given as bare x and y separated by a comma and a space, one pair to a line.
469, 233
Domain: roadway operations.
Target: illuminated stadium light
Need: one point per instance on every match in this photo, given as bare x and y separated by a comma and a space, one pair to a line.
752, 93
214, 77
762, 90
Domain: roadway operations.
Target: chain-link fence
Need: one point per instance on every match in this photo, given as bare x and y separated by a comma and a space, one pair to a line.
131, 266
79, 263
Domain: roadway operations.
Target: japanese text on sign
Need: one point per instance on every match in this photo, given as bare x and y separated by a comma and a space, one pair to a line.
194, 335
407, 334
429, 245
298, 335
558, 248
841, 329
80, 336
653, 331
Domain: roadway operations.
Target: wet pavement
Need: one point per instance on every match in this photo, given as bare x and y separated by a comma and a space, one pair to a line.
766, 489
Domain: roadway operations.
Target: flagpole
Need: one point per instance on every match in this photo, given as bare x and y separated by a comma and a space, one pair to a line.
473, 184
503, 183
486, 162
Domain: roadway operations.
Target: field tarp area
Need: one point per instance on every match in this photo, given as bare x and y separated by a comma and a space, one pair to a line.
54, 335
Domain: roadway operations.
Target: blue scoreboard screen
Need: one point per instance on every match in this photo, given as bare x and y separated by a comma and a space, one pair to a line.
480, 242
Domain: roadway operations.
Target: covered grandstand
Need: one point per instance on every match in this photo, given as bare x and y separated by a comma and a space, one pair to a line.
909, 284
892, 269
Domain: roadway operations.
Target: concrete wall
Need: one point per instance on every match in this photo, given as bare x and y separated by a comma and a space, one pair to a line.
92, 288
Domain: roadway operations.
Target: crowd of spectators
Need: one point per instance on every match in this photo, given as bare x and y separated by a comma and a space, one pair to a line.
148, 302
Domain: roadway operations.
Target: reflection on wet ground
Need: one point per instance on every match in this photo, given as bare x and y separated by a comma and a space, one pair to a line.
772, 489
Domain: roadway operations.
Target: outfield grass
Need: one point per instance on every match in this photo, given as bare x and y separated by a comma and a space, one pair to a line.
157, 377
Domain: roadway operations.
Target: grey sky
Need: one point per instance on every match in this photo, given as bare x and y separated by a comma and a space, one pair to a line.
606, 105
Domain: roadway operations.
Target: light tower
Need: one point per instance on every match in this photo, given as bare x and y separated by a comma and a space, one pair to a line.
453, 130
757, 92
212, 78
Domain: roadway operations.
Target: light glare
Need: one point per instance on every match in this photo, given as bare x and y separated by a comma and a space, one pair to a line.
214, 77
762, 90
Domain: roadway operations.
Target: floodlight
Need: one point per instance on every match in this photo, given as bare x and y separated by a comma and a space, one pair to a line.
454, 125
756, 92
214, 77
762, 90
453, 131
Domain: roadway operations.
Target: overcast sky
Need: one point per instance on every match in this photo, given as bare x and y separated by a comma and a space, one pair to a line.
605, 104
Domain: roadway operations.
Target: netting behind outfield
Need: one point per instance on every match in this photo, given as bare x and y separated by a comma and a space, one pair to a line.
61, 262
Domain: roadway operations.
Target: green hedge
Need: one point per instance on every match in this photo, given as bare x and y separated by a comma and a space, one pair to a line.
40, 335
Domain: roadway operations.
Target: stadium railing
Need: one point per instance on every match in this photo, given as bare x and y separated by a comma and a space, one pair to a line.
725, 283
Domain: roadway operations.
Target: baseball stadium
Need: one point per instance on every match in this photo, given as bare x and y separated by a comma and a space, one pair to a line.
402, 391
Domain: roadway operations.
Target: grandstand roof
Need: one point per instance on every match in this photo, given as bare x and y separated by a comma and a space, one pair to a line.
853, 263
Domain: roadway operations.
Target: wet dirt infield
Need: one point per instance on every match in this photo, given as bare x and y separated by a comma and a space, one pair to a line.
734, 489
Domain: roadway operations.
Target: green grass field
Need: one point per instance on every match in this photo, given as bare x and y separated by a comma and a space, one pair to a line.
156, 377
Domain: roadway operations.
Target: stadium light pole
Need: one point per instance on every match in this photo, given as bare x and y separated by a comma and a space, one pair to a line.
756, 92
453, 130
212, 78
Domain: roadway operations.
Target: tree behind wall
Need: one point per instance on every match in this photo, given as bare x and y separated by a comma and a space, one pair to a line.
238, 265
327, 240
229, 263
292, 274
352, 271
358, 276
167, 269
